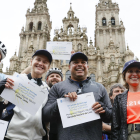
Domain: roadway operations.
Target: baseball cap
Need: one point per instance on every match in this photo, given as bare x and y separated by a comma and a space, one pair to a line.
44, 52
79, 55
131, 63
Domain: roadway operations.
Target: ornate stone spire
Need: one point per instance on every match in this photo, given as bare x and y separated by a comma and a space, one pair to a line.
39, 2
70, 13
39, 6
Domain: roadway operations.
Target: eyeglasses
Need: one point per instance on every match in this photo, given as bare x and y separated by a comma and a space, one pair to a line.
131, 71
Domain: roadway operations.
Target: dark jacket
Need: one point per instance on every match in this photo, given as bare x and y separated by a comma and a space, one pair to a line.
86, 131
119, 117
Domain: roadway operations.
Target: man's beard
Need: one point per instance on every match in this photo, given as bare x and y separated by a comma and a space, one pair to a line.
50, 83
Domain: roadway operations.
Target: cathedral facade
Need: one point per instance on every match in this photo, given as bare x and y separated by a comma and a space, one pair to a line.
106, 56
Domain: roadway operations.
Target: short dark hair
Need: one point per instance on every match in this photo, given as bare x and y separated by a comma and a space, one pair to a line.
115, 86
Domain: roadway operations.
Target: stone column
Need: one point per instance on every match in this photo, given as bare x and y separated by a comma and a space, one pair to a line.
27, 40
21, 45
116, 36
123, 41
38, 37
104, 37
99, 79
44, 41
97, 38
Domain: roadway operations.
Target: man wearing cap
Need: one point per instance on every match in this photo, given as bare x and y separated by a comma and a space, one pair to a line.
75, 85
53, 76
24, 126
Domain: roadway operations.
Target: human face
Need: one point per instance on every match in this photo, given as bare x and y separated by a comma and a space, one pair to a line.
53, 79
79, 69
116, 91
132, 76
40, 64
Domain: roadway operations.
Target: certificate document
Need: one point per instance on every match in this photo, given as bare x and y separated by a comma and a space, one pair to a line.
78, 111
25, 94
60, 50
3, 127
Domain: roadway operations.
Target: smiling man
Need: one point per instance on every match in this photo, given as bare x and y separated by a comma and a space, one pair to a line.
75, 85
53, 76
22, 125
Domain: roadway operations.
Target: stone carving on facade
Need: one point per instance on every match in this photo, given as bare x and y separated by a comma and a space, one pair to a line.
91, 49
28, 10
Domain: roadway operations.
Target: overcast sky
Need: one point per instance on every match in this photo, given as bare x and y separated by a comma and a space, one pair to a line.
12, 18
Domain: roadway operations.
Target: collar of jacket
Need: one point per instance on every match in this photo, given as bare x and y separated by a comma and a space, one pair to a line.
39, 81
88, 78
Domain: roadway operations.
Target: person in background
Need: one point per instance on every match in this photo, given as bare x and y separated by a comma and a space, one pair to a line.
79, 84
114, 90
24, 126
53, 76
126, 114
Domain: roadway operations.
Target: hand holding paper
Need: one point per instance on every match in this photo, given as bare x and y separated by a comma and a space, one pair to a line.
24, 93
9, 83
98, 108
78, 111
72, 96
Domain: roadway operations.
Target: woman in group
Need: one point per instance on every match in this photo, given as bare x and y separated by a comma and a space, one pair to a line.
24, 126
126, 108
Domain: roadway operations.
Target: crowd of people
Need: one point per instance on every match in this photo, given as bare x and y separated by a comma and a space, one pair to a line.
118, 110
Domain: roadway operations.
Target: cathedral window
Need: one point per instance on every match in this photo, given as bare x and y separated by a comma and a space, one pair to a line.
104, 21
112, 21
31, 26
68, 73
93, 78
39, 25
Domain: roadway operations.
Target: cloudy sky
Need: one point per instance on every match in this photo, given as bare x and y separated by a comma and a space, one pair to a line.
12, 18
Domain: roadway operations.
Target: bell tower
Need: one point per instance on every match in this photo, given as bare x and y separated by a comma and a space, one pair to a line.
108, 26
36, 33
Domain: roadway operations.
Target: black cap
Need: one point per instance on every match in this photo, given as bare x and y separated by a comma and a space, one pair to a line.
131, 63
79, 55
44, 52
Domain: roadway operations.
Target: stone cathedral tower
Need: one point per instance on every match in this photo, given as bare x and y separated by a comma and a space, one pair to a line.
110, 41
108, 26
34, 36
71, 32
106, 57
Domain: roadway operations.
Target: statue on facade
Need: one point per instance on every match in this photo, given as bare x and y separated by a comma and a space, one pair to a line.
33, 30
112, 58
28, 10
70, 31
